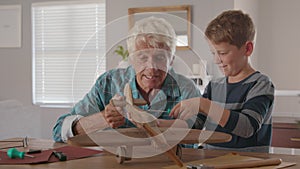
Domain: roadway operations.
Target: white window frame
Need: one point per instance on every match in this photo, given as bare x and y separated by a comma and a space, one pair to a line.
65, 64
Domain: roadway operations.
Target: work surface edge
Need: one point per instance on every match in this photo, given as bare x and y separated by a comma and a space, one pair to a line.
107, 160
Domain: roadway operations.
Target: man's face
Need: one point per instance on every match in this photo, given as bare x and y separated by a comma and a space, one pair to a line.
151, 66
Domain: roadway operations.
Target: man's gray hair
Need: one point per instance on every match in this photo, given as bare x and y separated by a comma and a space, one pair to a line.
154, 32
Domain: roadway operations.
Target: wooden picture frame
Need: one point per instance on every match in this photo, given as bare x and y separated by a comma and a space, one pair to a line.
178, 16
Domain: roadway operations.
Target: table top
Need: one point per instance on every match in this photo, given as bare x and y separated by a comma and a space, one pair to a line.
136, 136
108, 160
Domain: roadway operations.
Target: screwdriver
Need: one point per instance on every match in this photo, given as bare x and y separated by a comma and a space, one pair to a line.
14, 153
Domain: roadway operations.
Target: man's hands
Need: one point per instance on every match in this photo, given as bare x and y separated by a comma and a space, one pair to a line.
114, 114
110, 117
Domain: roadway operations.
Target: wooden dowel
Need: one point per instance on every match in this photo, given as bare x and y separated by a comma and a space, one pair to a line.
252, 163
170, 153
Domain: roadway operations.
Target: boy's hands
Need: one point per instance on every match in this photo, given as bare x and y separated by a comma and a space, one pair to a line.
190, 107
186, 108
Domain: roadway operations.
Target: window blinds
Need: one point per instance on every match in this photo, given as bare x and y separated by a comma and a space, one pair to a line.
68, 50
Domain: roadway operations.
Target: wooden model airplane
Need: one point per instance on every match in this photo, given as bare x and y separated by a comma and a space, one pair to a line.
146, 133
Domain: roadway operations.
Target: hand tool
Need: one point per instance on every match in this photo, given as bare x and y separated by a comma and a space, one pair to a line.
61, 156
14, 153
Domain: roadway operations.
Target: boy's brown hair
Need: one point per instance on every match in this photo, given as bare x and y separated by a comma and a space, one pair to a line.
231, 26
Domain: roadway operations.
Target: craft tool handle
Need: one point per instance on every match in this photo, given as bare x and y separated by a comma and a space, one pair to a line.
61, 156
32, 151
14, 153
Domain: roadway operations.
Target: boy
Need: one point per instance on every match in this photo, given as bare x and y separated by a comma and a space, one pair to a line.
241, 102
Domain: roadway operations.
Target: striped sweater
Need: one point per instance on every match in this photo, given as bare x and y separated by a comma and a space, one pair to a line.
250, 102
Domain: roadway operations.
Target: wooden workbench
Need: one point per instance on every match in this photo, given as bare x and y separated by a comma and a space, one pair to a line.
107, 160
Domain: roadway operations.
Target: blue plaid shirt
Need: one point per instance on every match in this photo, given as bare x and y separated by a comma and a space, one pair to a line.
175, 88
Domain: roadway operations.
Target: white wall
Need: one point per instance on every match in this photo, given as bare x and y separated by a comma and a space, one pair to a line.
278, 42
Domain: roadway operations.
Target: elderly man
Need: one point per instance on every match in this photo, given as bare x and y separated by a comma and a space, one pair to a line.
151, 44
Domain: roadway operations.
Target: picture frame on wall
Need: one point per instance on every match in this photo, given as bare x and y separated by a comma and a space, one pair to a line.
10, 26
179, 17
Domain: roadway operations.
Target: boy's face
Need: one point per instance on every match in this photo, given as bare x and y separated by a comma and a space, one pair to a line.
229, 58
